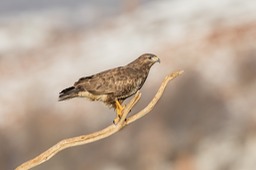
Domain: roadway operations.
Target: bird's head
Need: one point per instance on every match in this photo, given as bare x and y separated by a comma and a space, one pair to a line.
145, 60
149, 59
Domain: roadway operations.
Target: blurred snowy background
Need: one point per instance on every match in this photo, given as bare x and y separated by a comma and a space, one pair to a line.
206, 119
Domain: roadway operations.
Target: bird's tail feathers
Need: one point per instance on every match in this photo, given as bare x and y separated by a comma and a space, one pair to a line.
68, 93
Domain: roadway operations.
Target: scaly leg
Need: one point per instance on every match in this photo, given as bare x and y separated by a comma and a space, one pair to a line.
119, 109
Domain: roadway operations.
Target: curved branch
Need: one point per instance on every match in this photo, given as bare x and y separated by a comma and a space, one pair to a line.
84, 139
153, 102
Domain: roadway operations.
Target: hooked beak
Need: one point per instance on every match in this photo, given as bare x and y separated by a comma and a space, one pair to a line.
156, 59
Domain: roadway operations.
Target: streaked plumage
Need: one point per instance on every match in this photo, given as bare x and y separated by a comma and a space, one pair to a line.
112, 85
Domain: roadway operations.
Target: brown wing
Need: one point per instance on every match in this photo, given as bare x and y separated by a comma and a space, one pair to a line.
118, 83
114, 81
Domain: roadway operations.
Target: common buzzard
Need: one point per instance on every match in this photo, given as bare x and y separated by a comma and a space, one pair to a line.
113, 86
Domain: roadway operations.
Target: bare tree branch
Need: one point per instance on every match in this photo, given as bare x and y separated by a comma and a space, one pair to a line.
84, 139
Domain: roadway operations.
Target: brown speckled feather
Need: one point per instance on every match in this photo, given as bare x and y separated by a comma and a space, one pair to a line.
117, 83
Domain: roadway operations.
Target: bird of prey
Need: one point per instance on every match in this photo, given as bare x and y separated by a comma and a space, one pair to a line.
113, 86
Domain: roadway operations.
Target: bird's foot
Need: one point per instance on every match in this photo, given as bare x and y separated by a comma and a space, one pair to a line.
117, 119
119, 112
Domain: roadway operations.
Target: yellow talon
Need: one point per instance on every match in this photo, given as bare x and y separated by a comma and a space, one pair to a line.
119, 110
